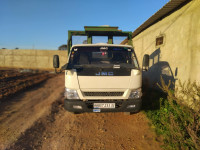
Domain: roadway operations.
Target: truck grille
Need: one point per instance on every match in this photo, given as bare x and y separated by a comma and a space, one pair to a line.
103, 93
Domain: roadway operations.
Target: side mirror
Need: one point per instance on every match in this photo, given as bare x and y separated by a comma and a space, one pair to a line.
56, 61
145, 64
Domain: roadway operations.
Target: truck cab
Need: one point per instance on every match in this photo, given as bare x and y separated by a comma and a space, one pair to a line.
102, 78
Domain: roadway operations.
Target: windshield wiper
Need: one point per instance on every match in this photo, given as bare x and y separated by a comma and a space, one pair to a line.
92, 66
102, 66
77, 66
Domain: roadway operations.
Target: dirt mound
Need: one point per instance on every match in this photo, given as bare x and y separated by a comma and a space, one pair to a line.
13, 81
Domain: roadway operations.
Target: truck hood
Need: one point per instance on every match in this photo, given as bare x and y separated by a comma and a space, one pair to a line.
111, 82
75, 81
93, 82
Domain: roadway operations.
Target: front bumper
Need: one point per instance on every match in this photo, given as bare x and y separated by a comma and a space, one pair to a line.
87, 106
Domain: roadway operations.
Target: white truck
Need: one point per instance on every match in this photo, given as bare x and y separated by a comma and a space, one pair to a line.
102, 77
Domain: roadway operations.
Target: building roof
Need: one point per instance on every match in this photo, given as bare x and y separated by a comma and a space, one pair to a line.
166, 10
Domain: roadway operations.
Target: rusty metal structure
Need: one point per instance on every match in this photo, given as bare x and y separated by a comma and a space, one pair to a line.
98, 31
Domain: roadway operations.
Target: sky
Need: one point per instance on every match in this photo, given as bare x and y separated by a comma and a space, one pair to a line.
43, 24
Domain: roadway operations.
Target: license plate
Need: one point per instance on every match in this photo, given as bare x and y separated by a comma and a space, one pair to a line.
104, 105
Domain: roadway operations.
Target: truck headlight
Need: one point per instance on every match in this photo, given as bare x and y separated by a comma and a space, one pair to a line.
135, 93
71, 94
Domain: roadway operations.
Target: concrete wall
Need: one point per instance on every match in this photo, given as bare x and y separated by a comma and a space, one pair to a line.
33, 59
179, 56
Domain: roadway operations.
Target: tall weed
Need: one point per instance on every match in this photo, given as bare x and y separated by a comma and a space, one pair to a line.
178, 116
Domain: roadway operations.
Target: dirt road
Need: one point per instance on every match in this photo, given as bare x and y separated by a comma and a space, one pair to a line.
35, 119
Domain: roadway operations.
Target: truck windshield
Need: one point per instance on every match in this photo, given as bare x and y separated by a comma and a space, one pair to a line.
103, 56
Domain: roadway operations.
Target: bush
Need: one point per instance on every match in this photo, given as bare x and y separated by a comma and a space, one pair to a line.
178, 115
